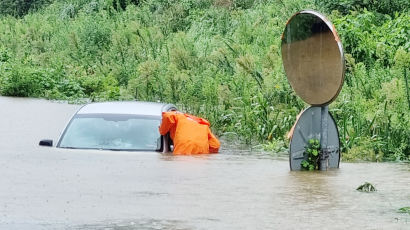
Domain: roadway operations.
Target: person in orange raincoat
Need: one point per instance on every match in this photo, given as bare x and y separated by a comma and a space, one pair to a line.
190, 134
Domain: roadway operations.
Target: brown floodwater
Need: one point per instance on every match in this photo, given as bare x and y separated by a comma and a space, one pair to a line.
50, 188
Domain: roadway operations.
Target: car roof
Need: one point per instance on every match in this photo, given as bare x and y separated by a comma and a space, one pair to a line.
127, 107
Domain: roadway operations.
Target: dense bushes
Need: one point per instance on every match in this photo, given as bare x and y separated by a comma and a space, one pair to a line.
216, 58
20, 8
389, 7
374, 39
122, 4
374, 108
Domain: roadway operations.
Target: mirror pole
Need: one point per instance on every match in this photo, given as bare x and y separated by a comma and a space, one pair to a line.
324, 157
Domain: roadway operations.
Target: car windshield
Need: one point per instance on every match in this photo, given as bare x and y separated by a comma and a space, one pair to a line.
112, 132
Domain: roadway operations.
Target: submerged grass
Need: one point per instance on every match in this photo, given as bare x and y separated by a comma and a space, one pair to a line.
215, 58
404, 210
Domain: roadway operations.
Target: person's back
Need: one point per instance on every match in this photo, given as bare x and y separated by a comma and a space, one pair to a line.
190, 134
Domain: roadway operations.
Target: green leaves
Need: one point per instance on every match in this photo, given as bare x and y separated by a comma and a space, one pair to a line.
312, 152
404, 210
19, 8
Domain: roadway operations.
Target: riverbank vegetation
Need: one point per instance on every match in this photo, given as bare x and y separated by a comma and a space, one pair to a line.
216, 58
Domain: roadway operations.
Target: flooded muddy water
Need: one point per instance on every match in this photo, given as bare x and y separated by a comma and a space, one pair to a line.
50, 188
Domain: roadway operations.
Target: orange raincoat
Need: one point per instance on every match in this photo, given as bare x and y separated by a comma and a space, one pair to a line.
190, 134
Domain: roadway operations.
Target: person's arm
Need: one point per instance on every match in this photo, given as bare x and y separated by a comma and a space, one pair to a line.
214, 143
290, 133
168, 120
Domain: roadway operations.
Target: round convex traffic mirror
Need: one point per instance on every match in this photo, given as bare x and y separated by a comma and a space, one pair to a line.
313, 57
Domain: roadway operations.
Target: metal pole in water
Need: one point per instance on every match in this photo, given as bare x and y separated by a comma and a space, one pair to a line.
324, 158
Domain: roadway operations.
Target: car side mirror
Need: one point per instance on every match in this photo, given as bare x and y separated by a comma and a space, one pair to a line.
46, 143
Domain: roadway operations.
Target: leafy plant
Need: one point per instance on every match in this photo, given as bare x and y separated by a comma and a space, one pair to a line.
312, 152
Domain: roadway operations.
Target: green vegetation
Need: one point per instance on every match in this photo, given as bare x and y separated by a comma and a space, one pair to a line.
404, 210
216, 58
20, 8
389, 7
312, 152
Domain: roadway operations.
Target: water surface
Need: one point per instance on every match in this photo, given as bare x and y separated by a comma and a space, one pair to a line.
49, 188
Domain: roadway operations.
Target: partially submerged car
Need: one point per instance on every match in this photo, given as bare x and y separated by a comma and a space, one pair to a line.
120, 126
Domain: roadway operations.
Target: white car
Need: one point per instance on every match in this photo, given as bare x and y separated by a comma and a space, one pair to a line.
121, 126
